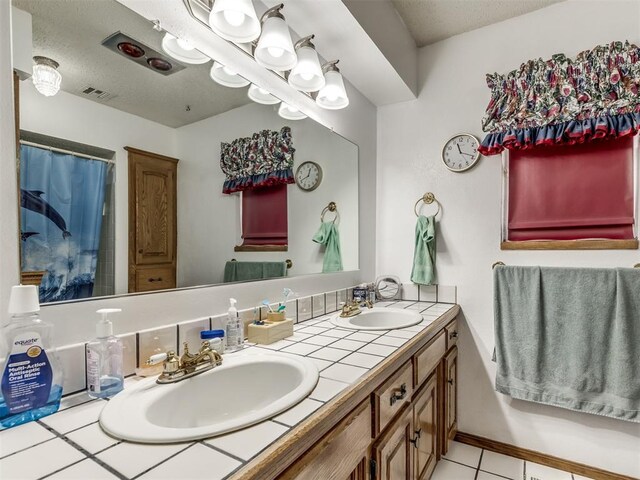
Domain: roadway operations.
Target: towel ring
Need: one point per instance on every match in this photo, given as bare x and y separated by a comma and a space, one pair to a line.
332, 207
427, 198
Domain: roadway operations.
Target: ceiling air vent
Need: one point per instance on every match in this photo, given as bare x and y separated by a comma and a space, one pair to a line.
97, 94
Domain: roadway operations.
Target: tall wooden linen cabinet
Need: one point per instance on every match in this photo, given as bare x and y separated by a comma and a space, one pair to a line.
153, 234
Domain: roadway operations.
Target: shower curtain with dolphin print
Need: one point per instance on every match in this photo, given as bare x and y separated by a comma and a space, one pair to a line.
61, 207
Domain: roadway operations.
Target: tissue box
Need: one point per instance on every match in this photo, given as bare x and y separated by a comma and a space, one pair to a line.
270, 332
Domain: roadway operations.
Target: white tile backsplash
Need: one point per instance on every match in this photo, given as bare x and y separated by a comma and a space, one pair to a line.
331, 302
291, 310
410, 291
72, 360
341, 297
304, 308
428, 293
318, 307
156, 340
190, 332
129, 353
447, 294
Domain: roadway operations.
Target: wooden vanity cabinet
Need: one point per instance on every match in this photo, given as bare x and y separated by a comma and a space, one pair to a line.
402, 430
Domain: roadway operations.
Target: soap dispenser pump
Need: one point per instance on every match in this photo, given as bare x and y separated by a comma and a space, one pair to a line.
104, 359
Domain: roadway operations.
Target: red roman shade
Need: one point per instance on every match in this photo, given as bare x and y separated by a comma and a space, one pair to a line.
572, 192
264, 216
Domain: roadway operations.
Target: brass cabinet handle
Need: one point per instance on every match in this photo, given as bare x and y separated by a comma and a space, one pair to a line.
140, 251
416, 440
159, 279
395, 396
450, 381
453, 334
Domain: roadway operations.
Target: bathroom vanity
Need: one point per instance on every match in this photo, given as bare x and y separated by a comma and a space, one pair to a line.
394, 423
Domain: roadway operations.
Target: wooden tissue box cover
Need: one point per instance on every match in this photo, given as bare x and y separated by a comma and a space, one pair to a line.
270, 332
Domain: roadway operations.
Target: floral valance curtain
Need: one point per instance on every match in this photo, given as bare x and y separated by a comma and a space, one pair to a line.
565, 101
264, 159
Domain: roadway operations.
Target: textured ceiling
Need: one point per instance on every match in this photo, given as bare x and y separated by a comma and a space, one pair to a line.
71, 31
432, 20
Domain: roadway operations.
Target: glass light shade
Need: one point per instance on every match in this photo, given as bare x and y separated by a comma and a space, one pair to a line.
307, 75
235, 20
227, 77
260, 95
46, 79
333, 95
290, 113
182, 50
275, 49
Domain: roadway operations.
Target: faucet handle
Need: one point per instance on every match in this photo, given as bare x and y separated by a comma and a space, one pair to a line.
157, 358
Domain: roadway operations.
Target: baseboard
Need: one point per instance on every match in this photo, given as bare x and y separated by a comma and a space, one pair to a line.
537, 457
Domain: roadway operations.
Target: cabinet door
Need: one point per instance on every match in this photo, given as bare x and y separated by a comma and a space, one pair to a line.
425, 422
451, 393
155, 206
392, 452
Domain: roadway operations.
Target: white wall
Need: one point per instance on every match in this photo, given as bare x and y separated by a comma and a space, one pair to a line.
410, 136
9, 264
80, 120
209, 221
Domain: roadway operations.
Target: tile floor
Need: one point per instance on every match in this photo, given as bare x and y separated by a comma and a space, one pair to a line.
464, 462
75, 447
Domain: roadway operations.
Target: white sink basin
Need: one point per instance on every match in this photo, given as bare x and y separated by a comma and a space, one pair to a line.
378, 319
246, 389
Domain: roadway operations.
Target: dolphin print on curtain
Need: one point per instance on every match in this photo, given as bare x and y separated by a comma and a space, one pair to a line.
61, 205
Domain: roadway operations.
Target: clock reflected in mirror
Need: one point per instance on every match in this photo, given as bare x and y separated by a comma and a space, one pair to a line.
460, 152
308, 176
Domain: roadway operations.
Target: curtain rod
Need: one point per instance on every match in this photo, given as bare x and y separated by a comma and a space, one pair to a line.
69, 152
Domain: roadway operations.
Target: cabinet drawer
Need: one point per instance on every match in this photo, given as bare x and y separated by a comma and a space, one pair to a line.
390, 397
452, 334
339, 452
155, 278
428, 358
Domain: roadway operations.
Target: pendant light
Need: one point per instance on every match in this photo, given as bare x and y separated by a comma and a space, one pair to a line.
260, 95
235, 20
333, 96
46, 76
275, 49
290, 113
307, 75
182, 50
226, 76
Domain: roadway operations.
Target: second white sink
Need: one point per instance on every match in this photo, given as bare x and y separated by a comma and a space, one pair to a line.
246, 389
378, 319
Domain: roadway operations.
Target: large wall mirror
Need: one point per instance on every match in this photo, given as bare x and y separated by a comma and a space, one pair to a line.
141, 173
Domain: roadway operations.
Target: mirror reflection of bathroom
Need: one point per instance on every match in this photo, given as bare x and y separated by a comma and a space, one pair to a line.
132, 182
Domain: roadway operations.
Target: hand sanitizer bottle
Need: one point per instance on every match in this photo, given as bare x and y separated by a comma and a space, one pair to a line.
104, 359
31, 384
235, 333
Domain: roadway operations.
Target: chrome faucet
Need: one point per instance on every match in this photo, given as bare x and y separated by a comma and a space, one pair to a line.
352, 309
189, 365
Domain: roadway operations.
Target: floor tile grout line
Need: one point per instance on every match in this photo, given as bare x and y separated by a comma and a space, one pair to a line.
82, 450
224, 452
27, 448
163, 461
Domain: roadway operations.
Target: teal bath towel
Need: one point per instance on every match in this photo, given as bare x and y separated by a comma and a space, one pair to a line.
424, 255
569, 337
328, 236
244, 271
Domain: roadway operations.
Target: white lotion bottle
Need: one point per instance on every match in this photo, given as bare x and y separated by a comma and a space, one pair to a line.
234, 333
104, 359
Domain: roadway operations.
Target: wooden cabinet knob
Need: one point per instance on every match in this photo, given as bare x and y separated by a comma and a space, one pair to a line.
159, 279
140, 251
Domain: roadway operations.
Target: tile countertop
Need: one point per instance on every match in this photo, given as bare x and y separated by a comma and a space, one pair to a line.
73, 446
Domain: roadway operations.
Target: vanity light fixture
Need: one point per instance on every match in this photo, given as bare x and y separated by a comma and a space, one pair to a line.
260, 95
275, 49
333, 96
235, 20
182, 50
46, 76
307, 75
288, 112
226, 76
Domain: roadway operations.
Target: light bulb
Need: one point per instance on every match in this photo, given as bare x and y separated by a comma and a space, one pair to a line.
229, 71
233, 17
185, 44
275, 52
292, 109
332, 97
306, 76
263, 91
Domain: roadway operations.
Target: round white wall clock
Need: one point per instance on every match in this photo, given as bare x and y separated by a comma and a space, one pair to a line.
460, 153
308, 176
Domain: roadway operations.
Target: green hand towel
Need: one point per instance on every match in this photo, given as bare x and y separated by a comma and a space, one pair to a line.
424, 255
328, 236
244, 271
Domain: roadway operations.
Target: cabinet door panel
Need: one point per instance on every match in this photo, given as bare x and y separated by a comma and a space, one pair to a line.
451, 393
393, 451
425, 421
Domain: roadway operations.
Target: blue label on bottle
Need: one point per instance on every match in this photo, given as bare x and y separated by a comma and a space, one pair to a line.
26, 380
